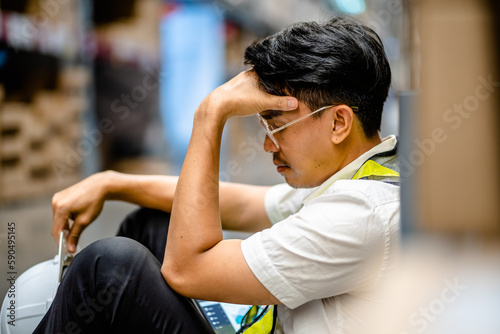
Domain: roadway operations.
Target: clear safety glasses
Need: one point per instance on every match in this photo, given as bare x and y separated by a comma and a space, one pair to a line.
270, 131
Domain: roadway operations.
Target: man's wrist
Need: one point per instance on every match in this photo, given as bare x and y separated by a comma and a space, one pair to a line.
110, 183
212, 110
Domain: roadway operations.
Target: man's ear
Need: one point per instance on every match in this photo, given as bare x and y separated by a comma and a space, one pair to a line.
343, 118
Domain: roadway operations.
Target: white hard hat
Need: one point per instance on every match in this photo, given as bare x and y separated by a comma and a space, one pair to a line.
29, 297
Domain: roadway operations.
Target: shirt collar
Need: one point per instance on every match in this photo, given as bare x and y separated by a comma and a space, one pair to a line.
348, 171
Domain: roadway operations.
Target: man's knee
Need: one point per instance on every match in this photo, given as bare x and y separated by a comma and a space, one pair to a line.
106, 254
115, 248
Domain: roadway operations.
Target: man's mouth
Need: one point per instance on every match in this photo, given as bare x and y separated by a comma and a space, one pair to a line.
281, 166
281, 169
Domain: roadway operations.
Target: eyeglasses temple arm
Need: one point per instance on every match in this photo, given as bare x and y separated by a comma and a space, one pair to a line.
298, 120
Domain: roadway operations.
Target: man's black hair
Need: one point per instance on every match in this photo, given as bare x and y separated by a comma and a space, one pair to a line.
337, 62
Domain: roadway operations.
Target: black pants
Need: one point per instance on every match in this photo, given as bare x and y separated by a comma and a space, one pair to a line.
115, 286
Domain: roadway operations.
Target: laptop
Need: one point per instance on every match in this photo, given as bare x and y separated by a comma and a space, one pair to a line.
224, 318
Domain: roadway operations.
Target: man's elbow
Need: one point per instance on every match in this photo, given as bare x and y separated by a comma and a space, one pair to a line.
176, 278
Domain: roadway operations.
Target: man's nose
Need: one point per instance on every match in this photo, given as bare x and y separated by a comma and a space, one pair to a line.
269, 145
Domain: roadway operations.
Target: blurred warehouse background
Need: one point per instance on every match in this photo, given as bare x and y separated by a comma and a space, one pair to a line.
90, 85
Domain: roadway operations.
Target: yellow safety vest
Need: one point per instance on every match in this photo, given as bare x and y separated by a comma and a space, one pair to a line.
372, 170
264, 324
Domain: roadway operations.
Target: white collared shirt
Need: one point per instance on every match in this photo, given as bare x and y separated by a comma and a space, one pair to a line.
328, 250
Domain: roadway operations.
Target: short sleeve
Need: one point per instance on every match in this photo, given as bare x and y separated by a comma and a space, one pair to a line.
333, 245
282, 201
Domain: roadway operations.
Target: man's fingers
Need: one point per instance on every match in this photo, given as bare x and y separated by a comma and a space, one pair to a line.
272, 102
74, 234
286, 103
59, 223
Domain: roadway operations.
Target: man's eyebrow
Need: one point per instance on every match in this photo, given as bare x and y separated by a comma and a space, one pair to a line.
268, 114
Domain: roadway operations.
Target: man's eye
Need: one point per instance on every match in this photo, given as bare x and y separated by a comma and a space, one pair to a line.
274, 125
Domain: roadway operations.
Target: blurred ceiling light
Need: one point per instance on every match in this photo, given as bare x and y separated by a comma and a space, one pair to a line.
352, 7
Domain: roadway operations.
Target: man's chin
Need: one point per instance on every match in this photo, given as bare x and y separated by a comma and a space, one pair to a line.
295, 181
298, 185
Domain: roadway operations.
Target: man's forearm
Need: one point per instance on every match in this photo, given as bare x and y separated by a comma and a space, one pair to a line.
198, 263
151, 191
195, 224
241, 205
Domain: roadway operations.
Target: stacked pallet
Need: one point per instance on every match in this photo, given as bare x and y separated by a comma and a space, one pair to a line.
39, 140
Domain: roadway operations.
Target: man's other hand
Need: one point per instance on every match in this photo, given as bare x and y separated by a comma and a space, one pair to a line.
81, 204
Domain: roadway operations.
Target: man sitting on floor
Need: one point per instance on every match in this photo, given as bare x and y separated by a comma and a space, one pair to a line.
326, 240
